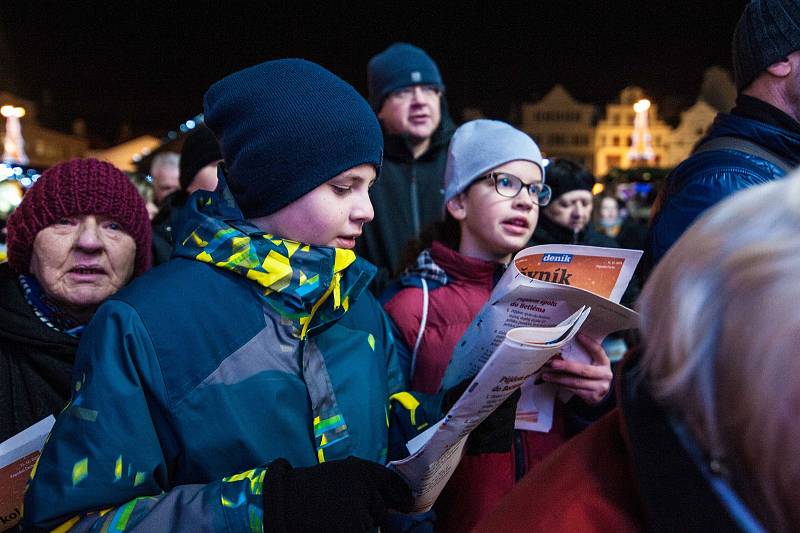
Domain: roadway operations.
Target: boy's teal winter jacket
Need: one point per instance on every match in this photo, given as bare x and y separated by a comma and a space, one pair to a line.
240, 350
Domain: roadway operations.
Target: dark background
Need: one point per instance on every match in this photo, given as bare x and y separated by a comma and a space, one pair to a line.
149, 64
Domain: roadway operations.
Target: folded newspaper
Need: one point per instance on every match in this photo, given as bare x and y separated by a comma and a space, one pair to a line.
532, 315
435, 454
542, 286
18, 455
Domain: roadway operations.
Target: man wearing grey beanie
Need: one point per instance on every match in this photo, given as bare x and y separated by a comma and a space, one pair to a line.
758, 141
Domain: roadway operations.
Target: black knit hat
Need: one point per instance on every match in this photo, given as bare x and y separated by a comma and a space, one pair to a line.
767, 31
400, 65
199, 149
286, 127
565, 175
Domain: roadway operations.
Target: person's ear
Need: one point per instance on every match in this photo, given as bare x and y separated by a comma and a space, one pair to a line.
457, 207
782, 68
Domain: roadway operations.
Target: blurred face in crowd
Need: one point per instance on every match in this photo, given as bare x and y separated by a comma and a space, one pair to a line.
205, 179
82, 260
609, 211
166, 176
572, 209
413, 112
333, 214
494, 226
152, 209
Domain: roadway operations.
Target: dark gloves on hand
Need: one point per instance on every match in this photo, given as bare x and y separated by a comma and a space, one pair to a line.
347, 495
496, 433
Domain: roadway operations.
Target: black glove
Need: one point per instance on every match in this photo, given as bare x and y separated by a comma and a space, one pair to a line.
496, 433
452, 394
347, 495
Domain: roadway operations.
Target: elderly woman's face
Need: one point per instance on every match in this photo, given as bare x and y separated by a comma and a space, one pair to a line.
82, 260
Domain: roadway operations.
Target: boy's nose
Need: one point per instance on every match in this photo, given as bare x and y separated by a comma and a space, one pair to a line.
363, 211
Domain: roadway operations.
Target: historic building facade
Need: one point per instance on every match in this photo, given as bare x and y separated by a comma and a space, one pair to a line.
561, 126
602, 139
43, 146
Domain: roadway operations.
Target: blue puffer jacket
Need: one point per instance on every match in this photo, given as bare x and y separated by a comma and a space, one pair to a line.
193, 379
707, 177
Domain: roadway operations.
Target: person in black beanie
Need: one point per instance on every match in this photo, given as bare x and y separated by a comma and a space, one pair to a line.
200, 156
566, 219
759, 140
252, 383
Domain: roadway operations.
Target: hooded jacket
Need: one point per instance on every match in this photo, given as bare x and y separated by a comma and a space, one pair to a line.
240, 350
707, 177
406, 198
35, 361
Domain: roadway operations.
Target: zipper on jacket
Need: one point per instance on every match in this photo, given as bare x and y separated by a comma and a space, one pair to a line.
415, 222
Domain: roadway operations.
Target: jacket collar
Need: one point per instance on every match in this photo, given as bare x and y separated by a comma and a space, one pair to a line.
549, 232
781, 142
677, 488
310, 285
463, 268
753, 108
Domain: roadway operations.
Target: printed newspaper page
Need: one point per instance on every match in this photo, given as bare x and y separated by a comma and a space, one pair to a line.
436, 453
17, 457
543, 286
605, 272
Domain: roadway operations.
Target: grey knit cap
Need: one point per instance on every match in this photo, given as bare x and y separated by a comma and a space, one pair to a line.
479, 146
767, 31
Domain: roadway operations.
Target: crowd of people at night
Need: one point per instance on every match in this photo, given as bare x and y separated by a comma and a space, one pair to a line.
248, 345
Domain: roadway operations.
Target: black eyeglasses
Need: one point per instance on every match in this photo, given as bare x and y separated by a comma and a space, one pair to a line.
509, 185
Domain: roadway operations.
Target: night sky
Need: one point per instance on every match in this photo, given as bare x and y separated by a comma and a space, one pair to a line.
107, 63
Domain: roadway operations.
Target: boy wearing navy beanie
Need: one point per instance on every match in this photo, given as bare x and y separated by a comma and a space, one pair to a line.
256, 371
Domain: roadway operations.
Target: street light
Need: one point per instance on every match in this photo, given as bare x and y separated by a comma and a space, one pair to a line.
9, 111
641, 151
13, 143
642, 105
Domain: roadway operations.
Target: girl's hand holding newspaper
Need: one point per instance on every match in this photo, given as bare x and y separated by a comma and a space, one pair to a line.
591, 382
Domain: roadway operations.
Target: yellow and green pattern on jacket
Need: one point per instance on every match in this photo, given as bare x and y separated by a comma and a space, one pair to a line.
280, 266
246, 490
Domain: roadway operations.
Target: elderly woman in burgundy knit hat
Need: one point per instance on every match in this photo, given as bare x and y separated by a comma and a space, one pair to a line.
80, 234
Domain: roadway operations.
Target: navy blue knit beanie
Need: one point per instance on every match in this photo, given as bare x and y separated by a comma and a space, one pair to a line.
286, 127
400, 65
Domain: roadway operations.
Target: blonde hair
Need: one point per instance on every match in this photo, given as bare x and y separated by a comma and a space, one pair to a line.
721, 319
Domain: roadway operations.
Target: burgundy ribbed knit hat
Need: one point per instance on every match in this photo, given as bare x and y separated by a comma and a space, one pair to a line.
78, 187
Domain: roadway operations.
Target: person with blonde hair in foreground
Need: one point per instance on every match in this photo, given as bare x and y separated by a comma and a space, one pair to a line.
705, 435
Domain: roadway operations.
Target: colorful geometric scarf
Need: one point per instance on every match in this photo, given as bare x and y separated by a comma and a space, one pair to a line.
309, 285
